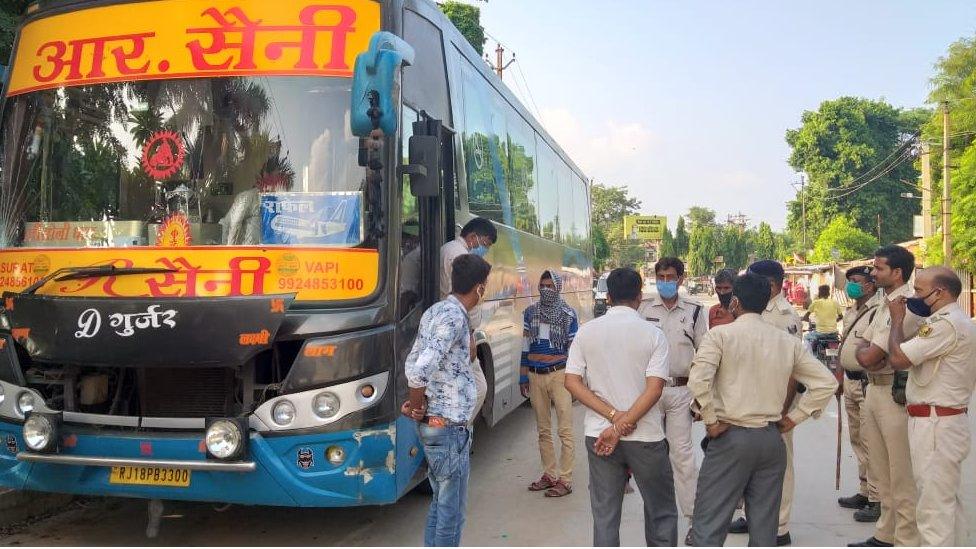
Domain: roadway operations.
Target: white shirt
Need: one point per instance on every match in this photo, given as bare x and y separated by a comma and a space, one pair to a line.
614, 354
449, 252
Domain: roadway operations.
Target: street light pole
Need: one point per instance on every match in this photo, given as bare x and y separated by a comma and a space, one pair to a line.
803, 207
946, 190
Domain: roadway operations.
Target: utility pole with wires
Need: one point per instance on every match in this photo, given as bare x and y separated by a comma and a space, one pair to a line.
803, 208
926, 191
500, 65
946, 190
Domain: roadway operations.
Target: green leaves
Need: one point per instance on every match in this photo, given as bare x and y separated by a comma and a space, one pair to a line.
467, 19
842, 241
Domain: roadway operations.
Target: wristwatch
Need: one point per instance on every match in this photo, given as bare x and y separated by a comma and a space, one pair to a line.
612, 413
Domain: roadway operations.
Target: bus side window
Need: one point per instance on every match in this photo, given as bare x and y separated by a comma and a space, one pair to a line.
410, 264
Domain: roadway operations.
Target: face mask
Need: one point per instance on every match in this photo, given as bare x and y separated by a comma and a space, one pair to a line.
918, 305
855, 290
725, 300
667, 290
480, 251
548, 296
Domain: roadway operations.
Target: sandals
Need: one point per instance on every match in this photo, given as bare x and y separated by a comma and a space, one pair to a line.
559, 490
544, 483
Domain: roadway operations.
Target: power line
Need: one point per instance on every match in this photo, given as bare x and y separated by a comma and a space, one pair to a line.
905, 156
899, 150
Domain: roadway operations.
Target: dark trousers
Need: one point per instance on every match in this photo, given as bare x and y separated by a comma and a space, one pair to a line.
741, 464
651, 468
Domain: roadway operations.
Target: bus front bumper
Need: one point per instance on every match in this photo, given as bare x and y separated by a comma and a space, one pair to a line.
284, 470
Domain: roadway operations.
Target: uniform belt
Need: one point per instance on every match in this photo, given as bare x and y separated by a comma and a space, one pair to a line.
677, 381
881, 379
925, 410
547, 369
855, 376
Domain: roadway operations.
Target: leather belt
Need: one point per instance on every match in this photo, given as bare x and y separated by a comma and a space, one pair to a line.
881, 379
547, 369
676, 381
855, 376
437, 421
925, 410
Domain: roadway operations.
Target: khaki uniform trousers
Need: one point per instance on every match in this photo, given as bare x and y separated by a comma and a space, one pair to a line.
676, 405
786, 504
854, 403
939, 445
885, 428
547, 391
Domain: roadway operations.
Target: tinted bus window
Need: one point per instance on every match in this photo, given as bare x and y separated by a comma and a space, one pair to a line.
580, 201
548, 192
484, 150
522, 174
567, 213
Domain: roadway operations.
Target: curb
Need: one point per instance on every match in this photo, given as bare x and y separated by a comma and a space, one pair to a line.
19, 506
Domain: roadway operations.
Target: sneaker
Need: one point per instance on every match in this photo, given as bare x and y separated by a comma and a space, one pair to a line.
869, 513
870, 542
856, 501
784, 540
739, 526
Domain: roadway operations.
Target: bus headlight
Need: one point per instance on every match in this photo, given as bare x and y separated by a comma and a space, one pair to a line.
25, 403
283, 412
326, 405
41, 432
225, 439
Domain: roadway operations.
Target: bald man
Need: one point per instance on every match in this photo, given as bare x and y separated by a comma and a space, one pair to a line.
941, 361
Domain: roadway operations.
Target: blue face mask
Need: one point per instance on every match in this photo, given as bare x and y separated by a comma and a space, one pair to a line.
667, 290
855, 290
480, 250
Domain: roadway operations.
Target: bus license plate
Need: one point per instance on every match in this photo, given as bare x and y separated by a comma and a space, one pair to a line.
150, 476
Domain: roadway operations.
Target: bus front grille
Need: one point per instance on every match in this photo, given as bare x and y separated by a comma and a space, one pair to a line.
186, 392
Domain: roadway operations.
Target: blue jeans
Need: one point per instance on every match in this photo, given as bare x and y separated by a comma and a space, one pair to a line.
448, 453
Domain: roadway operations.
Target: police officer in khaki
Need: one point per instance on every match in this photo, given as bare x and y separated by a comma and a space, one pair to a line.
885, 421
942, 374
684, 323
860, 288
781, 314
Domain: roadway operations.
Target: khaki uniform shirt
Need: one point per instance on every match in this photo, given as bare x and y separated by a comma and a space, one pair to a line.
856, 322
944, 355
781, 314
683, 330
877, 332
741, 372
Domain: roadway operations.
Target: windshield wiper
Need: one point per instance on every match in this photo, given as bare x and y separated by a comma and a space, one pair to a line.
78, 273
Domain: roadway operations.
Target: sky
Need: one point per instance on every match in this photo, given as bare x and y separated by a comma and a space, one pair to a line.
687, 102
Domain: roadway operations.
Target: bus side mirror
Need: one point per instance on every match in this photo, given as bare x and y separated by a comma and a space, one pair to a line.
374, 82
424, 168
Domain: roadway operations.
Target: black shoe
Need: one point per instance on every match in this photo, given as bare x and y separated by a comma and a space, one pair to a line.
869, 513
688, 539
784, 540
854, 502
739, 526
870, 542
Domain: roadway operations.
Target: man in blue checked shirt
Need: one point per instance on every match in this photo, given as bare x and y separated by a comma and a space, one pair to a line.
548, 329
443, 398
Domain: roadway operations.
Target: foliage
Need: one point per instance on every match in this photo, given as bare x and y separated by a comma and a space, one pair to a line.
849, 241
703, 246
838, 146
667, 248
954, 81
735, 246
699, 215
681, 239
467, 19
11, 13
765, 243
608, 206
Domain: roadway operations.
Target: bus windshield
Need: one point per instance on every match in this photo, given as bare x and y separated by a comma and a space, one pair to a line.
233, 161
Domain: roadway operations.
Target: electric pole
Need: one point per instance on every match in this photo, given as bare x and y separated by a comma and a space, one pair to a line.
926, 192
500, 65
946, 189
803, 206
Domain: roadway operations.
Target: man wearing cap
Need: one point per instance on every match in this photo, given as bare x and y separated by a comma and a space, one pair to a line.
781, 314
941, 361
860, 288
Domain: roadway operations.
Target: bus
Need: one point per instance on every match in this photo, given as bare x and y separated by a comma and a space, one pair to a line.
219, 229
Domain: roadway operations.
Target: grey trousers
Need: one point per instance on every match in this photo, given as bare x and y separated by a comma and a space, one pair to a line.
742, 463
651, 468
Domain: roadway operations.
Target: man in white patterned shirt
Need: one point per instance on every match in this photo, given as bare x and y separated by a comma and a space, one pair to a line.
443, 397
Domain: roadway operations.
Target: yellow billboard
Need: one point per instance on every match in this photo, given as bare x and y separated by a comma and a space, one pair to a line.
314, 274
192, 38
645, 227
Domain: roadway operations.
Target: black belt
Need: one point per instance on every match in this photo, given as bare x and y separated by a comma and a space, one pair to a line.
855, 376
547, 369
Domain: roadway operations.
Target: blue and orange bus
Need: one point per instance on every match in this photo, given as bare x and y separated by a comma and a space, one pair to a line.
212, 273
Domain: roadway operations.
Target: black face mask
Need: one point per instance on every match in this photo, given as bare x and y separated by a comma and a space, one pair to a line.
725, 299
918, 306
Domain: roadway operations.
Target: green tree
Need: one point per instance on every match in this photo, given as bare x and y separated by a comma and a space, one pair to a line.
601, 248
765, 247
467, 19
843, 241
667, 244
700, 215
681, 238
608, 206
854, 152
703, 246
11, 14
734, 245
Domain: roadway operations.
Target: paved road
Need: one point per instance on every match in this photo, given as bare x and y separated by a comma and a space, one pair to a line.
502, 512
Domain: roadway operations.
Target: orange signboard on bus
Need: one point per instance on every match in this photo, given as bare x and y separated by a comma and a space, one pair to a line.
192, 38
